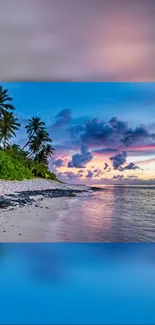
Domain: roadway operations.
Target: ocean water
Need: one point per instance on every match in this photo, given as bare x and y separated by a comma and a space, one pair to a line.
86, 283
77, 283
115, 214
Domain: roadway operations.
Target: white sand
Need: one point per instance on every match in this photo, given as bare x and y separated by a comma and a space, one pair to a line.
38, 222
10, 187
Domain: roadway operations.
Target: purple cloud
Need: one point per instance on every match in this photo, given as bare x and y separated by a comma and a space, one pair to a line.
96, 132
118, 177
105, 150
118, 160
113, 135
99, 173
119, 126
63, 118
131, 166
58, 162
75, 131
89, 174
106, 166
70, 174
80, 160
139, 135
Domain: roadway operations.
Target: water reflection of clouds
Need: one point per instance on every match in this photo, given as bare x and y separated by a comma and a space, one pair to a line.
89, 220
97, 213
118, 214
132, 218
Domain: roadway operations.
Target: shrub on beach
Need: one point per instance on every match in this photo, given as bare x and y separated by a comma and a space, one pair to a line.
41, 170
12, 168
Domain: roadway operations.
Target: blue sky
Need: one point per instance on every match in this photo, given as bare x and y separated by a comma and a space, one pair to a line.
103, 100
133, 103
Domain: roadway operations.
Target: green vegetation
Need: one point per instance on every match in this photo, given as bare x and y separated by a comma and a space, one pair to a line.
30, 161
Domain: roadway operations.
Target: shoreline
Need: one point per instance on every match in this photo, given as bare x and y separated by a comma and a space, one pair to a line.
30, 210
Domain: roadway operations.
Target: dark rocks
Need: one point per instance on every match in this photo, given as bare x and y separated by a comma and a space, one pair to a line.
25, 197
4, 203
93, 188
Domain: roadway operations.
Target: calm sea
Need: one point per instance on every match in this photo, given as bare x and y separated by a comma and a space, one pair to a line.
114, 214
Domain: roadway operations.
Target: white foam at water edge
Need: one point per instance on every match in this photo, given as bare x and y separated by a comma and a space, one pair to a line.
86, 194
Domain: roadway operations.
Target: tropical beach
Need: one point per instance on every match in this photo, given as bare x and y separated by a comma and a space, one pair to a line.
28, 189
27, 208
69, 177
47, 211
77, 162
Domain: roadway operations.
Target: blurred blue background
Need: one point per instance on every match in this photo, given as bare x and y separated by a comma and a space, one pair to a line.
64, 283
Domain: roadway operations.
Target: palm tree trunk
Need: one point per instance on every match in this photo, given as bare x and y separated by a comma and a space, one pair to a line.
25, 145
23, 148
32, 153
28, 142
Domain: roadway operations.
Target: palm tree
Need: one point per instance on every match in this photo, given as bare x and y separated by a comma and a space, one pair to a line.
43, 136
34, 146
8, 127
14, 147
5, 100
33, 127
41, 157
49, 150
44, 154
38, 141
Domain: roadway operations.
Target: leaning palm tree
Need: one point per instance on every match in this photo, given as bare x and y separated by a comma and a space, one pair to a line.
34, 146
43, 135
38, 141
8, 127
41, 157
33, 127
49, 150
44, 154
5, 101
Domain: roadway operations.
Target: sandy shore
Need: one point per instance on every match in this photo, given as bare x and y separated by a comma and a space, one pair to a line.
30, 210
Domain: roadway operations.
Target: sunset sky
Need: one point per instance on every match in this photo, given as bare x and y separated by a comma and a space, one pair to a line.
102, 132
